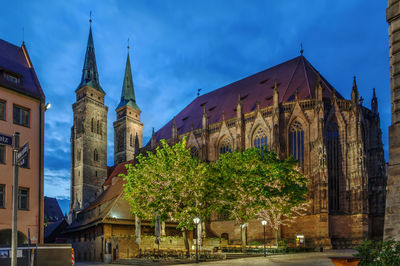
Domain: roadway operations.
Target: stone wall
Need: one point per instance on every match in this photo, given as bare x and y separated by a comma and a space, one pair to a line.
392, 218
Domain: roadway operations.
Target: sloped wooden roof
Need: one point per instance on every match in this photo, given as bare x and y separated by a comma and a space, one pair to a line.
294, 75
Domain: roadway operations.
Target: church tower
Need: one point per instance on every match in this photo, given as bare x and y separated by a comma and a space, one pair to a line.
128, 130
392, 226
88, 136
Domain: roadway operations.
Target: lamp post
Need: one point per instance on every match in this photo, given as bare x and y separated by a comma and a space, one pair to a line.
244, 238
196, 221
264, 223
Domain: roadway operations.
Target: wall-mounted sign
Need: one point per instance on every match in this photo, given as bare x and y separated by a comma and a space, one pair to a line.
5, 139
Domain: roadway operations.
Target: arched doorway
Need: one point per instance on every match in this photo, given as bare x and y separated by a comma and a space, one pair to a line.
5, 238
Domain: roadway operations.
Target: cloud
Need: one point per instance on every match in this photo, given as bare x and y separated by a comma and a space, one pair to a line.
56, 183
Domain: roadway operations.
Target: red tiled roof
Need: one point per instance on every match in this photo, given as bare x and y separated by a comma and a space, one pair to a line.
15, 60
295, 74
116, 170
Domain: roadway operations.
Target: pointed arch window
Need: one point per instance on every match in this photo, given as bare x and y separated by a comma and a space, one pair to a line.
296, 142
121, 141
92, 125
95, 155
98, 127
131, 140
225, 146
260, 139
194, 152
334, 166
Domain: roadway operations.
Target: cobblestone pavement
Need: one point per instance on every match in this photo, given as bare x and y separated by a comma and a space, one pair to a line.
302, 259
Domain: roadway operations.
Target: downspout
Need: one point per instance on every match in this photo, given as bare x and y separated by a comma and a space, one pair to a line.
40, 171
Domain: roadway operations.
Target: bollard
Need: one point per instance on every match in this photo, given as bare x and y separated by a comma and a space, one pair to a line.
73, 257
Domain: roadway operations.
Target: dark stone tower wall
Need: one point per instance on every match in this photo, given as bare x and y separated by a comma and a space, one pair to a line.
392, 214
88, 136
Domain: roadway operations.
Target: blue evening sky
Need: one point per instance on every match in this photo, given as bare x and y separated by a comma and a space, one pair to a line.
179, 46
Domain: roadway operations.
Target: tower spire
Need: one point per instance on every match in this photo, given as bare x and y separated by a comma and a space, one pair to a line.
90, 76
128, 91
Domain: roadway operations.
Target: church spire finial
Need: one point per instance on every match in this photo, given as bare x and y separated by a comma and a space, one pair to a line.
90, 76
354, 91
301, 49
374, 102
128, 90
90, 17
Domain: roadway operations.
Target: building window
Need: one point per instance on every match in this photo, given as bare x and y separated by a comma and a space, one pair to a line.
296, 142
2, 154
21, 116
260, 139
95, 155
98, 127
11, 78
92, 125
131, 140
225, 146
121, 141
2, 196
78, 156
2, 110
23, 198
334, 166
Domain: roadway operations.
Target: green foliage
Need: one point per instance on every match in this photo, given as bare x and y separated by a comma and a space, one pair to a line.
379, 252
169, 182
253, 184
282, 243
254, 181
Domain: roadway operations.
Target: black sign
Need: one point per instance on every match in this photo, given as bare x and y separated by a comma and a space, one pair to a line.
5, 139
22, 153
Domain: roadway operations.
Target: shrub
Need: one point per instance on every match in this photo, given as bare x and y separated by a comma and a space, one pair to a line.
379, 252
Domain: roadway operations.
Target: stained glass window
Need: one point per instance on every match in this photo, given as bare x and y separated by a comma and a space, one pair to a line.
260, 139
225, 146
333, 154
296, 142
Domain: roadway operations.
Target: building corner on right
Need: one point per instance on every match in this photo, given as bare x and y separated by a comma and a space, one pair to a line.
392, 214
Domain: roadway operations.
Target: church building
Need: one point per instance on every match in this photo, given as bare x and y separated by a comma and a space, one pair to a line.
290, 108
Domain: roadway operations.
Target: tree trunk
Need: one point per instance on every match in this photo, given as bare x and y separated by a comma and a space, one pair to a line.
185, 239
276, 237
244, 240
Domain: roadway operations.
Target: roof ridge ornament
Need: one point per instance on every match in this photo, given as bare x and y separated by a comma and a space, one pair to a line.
301, 49
198, 92
354, 91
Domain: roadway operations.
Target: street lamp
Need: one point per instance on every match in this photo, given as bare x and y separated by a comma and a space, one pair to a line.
264, 223
196, 221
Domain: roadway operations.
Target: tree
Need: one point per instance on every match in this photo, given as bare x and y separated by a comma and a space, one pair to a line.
290, 201
169, 182
255, 183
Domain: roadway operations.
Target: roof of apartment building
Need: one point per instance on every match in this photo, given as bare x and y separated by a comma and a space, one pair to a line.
17, 72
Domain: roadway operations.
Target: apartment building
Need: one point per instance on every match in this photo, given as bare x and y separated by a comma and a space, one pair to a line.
22, 107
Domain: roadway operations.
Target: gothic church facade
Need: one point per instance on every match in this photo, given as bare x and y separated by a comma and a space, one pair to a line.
289, 108
293, 110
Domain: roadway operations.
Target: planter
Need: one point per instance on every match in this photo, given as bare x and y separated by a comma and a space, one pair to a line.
342, 261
